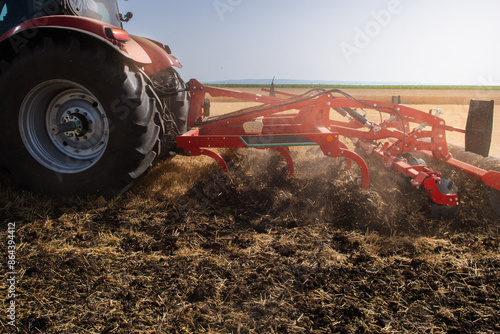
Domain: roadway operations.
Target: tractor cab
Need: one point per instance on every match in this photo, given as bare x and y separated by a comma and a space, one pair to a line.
102, 10
14, 12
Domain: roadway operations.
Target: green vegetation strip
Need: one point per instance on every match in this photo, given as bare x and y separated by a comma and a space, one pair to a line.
363, 86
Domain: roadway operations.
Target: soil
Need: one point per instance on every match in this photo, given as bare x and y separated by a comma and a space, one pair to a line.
193, 250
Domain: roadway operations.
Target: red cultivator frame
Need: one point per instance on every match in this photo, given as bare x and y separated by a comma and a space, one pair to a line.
306, 120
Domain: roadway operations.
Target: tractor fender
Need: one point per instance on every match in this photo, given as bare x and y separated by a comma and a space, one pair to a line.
159, 54
126, 46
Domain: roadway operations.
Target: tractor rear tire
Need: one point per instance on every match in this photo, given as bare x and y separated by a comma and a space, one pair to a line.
75, 119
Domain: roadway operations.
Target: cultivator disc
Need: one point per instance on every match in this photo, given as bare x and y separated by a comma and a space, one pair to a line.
443, 211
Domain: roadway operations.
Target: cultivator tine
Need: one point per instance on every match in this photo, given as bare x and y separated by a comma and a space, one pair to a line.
285, 152
272, 92
212, 154
365, 174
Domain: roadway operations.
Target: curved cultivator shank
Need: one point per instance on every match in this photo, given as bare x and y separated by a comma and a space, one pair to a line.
308, 120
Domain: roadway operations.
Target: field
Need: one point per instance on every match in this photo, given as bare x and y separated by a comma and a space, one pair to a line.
192, 250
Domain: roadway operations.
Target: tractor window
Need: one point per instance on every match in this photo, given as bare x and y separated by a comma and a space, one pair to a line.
102, 10
3, 11
13, 12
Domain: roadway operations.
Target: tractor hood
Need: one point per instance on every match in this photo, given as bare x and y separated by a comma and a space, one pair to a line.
158, 53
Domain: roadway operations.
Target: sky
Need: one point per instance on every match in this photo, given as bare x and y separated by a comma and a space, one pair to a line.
453, 42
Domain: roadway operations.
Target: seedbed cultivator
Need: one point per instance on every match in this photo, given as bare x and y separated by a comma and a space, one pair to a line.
304, 120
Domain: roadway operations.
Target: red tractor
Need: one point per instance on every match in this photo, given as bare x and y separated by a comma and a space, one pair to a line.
86, 108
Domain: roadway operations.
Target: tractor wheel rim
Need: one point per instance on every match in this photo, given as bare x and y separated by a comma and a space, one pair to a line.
55, 105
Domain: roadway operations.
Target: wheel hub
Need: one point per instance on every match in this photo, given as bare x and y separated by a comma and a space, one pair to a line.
82, 117
64, 127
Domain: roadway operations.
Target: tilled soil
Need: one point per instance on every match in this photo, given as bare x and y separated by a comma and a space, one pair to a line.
191, 250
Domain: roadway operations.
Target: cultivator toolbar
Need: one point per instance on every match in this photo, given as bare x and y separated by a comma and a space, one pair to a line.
303, 120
